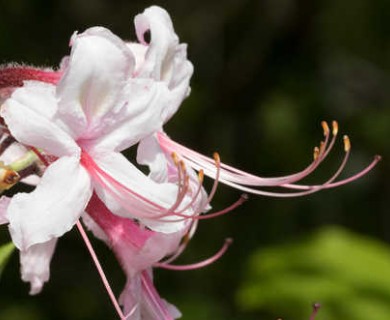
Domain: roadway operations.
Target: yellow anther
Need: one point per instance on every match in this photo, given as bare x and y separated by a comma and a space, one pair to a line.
175, 158
347, 143
316, 153
182, 165
325, 127
201, 175
186, 239
216, 157
335, 127
8, 177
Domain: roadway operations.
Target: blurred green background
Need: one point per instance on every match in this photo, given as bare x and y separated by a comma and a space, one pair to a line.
266, 73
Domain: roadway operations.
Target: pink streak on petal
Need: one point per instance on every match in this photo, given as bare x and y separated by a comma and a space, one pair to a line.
117, 228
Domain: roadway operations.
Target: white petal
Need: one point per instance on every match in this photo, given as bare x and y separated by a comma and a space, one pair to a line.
35, 264
163, 40
140, 117
4, 202
13, 153
126, 205
162, 169
97, 70
53, 207
149, 153
165, 59
94, 228
139, 51
28, 115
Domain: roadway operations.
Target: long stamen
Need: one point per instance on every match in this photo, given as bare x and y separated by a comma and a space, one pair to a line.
197, 192
199, 161
249, 183
153, 297
316, 308
347, 149
100, 270
141, 207
217, 161
201, 264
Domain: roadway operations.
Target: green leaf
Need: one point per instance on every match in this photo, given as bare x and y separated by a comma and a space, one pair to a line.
348, 273
5, 253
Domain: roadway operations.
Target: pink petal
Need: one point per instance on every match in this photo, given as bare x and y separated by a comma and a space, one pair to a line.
114, 229
96, 72
35, 264
29, 116
136, 248
53, 207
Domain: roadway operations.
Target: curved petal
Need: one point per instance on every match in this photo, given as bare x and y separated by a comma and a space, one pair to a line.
140, 117
28, 115
112, 229
122, 181
163, 40
4, 202
139, 51
35, 264
96, 72
162, 169
165, 59
53, 207
149, 153
94, 227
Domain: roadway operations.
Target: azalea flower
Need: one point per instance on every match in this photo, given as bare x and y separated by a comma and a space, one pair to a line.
78, 128
108, 96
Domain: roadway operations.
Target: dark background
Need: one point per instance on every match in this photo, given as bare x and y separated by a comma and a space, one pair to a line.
266, 73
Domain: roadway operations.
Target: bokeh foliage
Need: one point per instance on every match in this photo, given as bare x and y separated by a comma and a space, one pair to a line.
266, 73
348, 273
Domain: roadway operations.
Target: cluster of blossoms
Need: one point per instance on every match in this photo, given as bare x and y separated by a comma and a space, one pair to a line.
64, 130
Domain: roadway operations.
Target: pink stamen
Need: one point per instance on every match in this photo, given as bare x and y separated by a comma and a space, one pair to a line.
100, 175
199, 161
186, 239
316, 308
196, 194
217, 161
100, 270
335, 175
244, 197
133, 201
246, 182
201, 264
153, 298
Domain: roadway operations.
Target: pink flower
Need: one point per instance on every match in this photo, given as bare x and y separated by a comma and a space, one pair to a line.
137, 250
108, 96
103, 104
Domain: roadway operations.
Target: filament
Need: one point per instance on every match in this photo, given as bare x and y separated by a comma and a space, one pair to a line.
200, 264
